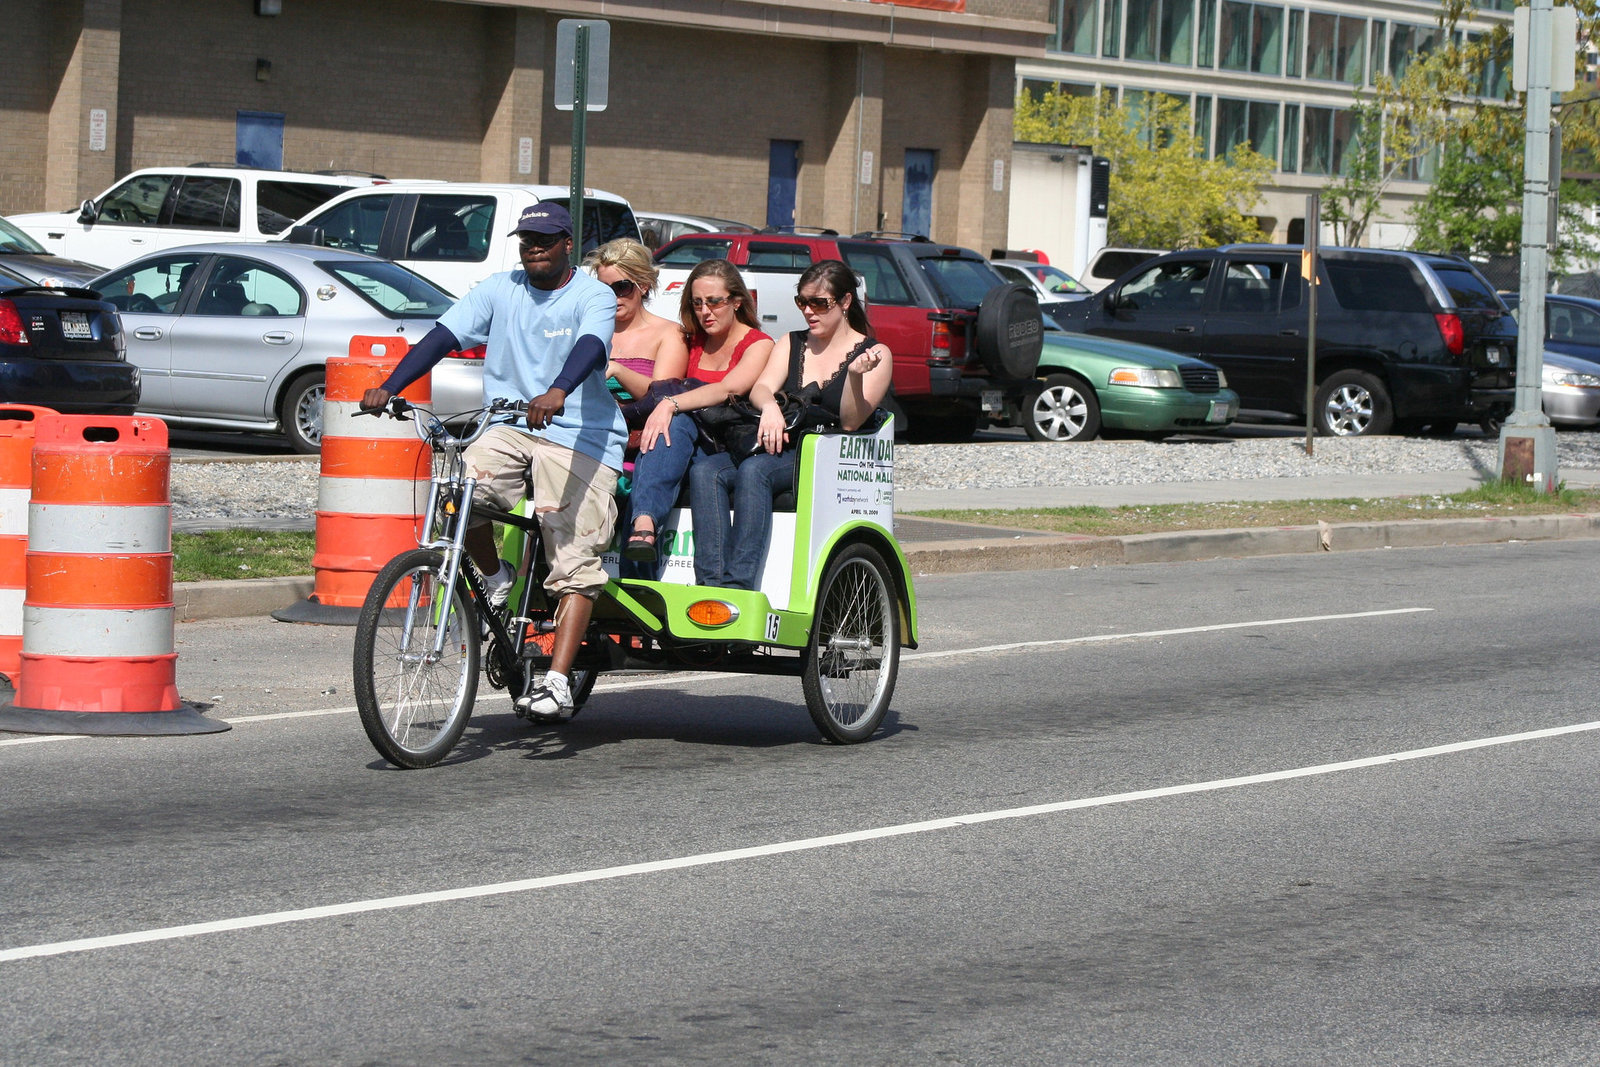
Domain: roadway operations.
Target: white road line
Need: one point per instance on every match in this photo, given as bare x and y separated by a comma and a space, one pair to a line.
631, 870
700, 676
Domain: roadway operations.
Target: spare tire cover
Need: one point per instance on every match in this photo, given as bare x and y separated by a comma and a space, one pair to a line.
1010, 331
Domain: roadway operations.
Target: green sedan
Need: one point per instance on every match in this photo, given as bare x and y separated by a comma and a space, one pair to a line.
1091, 385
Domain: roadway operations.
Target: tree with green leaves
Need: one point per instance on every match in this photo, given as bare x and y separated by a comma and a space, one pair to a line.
1163, 192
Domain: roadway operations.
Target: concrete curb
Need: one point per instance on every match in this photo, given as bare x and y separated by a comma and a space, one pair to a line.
262, 596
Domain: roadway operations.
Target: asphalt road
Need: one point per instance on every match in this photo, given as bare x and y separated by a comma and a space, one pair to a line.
1189, 814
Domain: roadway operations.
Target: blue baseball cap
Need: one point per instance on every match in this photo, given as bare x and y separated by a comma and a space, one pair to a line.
544, 218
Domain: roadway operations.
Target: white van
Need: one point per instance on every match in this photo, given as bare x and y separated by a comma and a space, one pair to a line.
455, 234
163, 207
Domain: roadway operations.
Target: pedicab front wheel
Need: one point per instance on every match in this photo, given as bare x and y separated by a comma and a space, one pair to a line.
415, 692
854, 654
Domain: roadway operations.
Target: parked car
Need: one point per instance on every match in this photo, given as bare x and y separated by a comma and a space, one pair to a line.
63, 348
26, 258
656, 228
965, 341
1053, 286
1570, 386
234, 336
1405, 340
1097, 385
453, 233
1108, 264
162, 207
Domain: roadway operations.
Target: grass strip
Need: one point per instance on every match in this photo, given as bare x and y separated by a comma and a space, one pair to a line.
1495, 499
241, 553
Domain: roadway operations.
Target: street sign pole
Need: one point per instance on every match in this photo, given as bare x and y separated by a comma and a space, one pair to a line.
1308, 270
580, 114
1527, 440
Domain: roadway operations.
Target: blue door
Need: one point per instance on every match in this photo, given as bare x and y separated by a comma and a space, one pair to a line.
916, 210
258, 139
783, 170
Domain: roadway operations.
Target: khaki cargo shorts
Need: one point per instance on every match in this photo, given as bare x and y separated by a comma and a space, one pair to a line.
574, 495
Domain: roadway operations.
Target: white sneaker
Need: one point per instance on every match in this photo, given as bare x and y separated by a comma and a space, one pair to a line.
550, 699
498, 585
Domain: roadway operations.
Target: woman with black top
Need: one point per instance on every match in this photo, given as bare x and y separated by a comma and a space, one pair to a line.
838, 354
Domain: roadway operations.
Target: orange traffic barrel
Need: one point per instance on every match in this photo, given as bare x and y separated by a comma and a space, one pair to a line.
16, 475
373, 487
98, 651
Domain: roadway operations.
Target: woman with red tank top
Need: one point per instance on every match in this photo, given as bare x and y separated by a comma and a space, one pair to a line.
727, 353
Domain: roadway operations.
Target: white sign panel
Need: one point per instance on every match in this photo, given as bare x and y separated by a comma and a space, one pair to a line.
524, 155
97, 129
866, 168
999, 175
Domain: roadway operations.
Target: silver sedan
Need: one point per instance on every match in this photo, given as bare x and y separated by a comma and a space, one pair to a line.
234, 336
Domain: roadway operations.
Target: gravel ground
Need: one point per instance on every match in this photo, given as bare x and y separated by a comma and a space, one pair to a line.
284, 493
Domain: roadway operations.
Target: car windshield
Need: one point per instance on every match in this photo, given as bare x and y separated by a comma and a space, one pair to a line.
14, 241
1058, 281
960, 282
391, 288
603, 220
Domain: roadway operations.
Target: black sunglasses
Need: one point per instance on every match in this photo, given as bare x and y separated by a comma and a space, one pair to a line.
815, 303
541, 240
624, 288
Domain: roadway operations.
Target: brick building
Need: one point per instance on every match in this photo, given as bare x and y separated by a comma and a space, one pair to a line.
850, 113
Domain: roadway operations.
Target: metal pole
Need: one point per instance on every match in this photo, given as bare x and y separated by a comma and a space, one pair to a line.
1308, 268
1527, 440
580, 114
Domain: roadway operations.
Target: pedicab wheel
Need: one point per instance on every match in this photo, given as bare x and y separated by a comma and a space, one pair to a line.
854, 654
414, 703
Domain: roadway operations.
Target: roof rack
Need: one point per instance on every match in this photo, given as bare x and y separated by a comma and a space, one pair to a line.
814, 231
333, 173
892, 235
342, 173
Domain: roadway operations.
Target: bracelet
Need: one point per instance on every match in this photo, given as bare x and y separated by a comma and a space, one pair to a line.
674, 402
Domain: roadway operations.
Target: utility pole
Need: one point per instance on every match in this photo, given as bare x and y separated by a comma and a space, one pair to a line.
1527, 440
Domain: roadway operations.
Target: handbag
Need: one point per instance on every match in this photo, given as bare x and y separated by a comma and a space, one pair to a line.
736, 423
636, 411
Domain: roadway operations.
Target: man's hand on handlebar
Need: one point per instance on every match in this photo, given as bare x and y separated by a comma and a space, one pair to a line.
543, 409
374, 401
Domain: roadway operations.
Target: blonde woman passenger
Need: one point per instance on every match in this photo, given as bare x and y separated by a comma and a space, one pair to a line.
645, 347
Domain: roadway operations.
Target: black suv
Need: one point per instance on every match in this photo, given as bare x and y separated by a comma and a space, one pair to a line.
966, 342
1406, 341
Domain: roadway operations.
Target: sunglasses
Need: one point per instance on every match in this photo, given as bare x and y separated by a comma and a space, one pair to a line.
624, 288
712, 302
815, 303
541, 240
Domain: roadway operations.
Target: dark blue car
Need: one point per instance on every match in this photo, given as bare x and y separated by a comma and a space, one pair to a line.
63, 349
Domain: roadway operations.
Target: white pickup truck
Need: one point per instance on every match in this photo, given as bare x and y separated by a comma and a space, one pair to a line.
455, 234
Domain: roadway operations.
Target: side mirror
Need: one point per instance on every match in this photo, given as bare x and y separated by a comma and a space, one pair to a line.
1110, 301
305, 235
87, 212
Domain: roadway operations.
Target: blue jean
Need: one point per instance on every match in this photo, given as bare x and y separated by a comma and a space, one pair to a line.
731, 551
658, 474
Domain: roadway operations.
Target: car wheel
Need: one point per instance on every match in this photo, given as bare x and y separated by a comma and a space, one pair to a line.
1352, 403
1061, 408
302, 412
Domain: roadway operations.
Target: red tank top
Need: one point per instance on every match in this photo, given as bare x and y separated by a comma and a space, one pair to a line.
697, 349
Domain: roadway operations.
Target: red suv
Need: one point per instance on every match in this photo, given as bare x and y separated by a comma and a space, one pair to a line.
965, 341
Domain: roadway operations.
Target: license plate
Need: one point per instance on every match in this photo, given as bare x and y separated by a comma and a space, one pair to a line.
75, 326
993, 400
1495, 355
1221, 411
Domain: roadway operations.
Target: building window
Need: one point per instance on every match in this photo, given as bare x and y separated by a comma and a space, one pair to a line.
1202, 124
1252, 37
1325, 145
1375, 51
1335, 47
1297, 21
1291, 139
1410, 43
1161, 31
1111, 30
1076, 22
1495, 78
1206, 46
1247, 122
